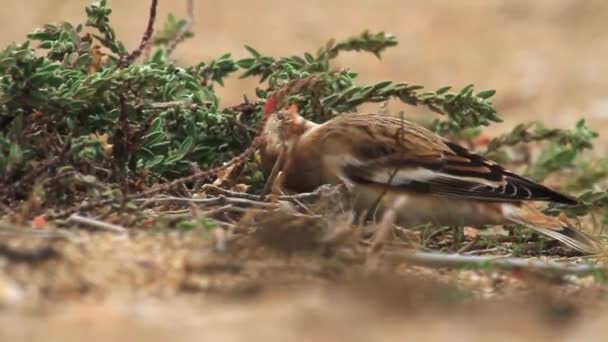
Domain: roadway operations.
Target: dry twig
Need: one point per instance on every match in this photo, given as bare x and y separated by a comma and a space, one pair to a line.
97, 224
322, 191
219, 200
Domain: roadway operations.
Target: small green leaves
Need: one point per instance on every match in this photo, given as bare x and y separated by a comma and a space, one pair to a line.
464, 109
253, 52
185, 147
98, 17
294, 67
80, 99
257, 65
561, 153
374, 43
86, 149
216, 70
172, 29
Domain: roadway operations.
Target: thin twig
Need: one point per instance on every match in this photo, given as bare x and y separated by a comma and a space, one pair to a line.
322, 191
97, 224
223, 209
177, 103
470, 245
237, 121
493, 250
220, 200
82, 207
181, 35
125, 60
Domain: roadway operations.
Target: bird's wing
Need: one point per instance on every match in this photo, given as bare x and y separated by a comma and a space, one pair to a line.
420, 161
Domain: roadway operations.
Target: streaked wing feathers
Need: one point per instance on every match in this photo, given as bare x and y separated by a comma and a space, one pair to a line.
454, 172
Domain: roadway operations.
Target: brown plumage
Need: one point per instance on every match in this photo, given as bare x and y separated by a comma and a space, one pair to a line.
380, 159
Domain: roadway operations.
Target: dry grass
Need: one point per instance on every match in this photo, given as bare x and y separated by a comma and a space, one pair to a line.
545, 58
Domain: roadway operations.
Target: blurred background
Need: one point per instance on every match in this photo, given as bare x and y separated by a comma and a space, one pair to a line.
546, 58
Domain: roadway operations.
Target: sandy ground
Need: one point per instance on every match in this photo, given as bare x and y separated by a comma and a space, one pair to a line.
171, 286
547, 60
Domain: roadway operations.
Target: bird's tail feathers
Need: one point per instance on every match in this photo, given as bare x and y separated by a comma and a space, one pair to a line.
529, 216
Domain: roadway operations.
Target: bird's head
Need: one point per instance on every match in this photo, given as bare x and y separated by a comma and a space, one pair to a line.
283, 127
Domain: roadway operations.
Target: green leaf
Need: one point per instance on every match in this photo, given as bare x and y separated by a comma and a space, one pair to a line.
486, 94
185, 147
253, 52
443, 90
157, 160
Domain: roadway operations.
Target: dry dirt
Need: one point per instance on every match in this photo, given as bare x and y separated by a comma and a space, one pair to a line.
169, 285
547, 60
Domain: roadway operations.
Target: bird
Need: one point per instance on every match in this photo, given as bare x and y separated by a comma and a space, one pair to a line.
383, 160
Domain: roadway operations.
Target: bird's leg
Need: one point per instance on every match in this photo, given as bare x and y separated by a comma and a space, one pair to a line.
279, 163
277, 185
458, 233
372, 211
382, 234
276, 169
